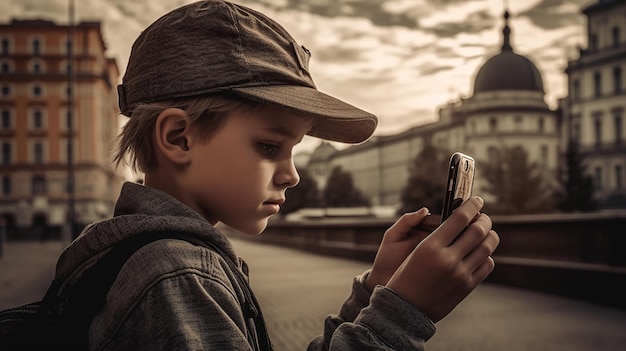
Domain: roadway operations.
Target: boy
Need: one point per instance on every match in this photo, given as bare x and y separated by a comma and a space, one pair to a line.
217, 96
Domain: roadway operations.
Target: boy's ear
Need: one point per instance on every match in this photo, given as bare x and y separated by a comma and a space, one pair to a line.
172, 132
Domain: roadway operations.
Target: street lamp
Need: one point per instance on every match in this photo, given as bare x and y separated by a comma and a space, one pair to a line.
71, 220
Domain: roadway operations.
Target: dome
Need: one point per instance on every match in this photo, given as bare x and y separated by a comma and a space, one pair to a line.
508, 70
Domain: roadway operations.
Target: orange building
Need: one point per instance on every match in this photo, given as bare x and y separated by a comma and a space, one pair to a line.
39, 99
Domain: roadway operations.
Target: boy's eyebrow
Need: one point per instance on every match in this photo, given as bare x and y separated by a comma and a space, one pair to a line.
283, 131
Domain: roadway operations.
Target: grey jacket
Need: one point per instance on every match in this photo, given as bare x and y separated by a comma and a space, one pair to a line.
173, 295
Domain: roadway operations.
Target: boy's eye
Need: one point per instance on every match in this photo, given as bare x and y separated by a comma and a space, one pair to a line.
267, 149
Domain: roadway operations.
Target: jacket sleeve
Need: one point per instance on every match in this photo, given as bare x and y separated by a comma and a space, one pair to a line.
187, 311
382, 321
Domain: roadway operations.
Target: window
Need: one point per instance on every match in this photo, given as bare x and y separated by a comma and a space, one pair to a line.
38, 153
37, 90
615, 34
518, 122
617, 121
576, 89
6, 185
6, 46
593, 42
6, 153
39, 185
37, 119
575, 137
6, 90
493, 124
542, 125
619, 177
617, 80
6, 67
597, 125
6, 122
597, 84
597, 178
36, 47
68, 120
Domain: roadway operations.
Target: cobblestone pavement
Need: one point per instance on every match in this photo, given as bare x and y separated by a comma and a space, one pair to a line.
298, 289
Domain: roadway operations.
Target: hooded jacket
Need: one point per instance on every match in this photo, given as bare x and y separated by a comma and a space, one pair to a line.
173, 295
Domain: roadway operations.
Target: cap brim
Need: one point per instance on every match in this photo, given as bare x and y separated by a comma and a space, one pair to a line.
334, 119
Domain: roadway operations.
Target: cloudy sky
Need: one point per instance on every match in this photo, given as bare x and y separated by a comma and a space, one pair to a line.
400, 59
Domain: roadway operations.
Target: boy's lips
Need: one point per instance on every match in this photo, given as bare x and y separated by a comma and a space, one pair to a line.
275, 204
278, 202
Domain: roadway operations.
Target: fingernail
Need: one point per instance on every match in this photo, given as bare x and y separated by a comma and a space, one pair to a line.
480, 199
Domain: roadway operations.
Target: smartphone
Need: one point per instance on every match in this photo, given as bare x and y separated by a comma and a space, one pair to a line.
458, 189
459, 184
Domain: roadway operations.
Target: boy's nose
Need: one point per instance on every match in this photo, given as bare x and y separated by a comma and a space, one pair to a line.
286, 174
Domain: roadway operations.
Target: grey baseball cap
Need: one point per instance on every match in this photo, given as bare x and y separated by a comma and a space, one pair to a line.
217, 47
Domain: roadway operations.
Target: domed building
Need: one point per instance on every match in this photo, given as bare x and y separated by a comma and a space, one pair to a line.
507, 108
508, 70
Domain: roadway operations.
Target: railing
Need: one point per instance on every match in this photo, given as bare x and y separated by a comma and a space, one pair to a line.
581, 255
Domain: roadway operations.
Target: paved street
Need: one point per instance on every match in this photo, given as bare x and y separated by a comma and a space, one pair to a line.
297, 290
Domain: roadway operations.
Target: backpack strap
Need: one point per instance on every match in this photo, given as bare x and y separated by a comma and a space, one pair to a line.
88, 296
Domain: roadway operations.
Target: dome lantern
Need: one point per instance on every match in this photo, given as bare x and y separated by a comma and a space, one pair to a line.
508, 70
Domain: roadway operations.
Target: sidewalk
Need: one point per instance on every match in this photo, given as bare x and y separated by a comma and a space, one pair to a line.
26, 270
297, 290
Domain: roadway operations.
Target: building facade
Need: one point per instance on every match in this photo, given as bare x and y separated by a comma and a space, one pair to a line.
595, 109
51, 106
508, 109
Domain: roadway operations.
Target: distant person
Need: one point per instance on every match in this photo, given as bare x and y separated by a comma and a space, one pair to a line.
217, 97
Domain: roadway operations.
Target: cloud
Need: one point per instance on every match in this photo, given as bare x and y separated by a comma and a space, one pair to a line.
552, 14
400, 59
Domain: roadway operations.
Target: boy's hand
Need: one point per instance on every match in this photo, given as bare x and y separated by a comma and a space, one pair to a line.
398, 242
449, 263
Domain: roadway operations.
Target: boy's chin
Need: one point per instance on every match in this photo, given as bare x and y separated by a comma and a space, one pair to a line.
250, 228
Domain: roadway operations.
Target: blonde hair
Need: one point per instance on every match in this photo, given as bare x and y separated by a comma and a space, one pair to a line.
135, 141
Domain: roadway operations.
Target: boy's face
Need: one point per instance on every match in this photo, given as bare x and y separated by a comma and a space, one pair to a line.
239, 175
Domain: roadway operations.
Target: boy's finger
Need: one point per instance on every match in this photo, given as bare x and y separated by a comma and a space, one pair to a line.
404, 224
457, 222
483, 270
483, 251
472, 236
